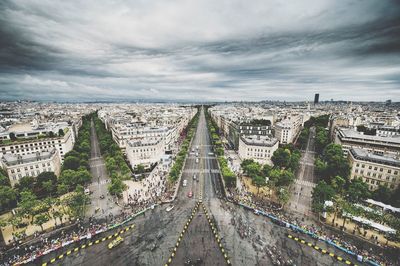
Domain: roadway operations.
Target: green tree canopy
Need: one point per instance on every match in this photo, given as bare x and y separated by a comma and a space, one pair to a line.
321, 193
358, 191
71, 162
281, 158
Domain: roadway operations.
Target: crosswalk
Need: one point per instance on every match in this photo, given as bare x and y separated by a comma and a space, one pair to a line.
102, 182
305, 183
200, 171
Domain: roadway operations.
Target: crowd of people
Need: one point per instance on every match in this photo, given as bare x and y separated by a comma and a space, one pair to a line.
45, 244
149, 191
248, 199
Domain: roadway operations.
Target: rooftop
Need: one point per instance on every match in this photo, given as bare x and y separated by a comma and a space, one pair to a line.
350, 133
14, 159
364, 155
259, 140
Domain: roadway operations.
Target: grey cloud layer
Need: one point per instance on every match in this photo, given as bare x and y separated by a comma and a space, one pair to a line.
232, 50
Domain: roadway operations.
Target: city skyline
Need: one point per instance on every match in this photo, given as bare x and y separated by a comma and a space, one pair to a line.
199, 51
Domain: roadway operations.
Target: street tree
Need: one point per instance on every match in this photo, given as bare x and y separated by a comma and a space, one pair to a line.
358, 191
27, 203
382, 194
283, 196
71, 162
321, 193
259, 181
281, 158
7, 196
41, 219
116, 187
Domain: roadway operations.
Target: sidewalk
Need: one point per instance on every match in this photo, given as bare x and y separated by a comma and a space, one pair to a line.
369, 235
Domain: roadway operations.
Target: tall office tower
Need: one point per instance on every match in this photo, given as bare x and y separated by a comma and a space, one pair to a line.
316, 98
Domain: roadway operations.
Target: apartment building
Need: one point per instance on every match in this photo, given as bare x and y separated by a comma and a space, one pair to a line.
349, 138
374, 169
288, 129
145, 151
257, 147
31, 164
23, 147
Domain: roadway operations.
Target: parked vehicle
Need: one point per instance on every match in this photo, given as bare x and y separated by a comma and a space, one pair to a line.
194, 177
197, 160
115, 242
184, 183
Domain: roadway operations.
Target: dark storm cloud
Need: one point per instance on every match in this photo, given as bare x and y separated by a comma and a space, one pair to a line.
229, 50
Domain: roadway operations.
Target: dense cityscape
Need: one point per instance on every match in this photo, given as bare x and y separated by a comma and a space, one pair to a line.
266, 183
199, 133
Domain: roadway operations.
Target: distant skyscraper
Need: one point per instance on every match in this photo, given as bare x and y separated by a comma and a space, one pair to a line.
316, 98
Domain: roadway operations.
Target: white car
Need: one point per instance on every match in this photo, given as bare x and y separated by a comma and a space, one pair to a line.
194, 177
197, 160
184, 183
170, 208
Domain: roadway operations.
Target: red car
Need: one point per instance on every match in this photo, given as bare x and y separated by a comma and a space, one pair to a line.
190, 194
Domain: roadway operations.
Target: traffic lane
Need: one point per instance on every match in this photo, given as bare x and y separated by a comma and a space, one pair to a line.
262, 235
147, 228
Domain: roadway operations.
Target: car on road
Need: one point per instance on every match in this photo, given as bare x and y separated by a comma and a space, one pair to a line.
197, 160
190, 194
197, 154
197, 147
192, 149
102, 197
115, 242
153, 247
184, 183
159, 235
194, 177
170, 208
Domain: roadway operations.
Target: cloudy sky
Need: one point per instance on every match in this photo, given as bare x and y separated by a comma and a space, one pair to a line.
202, 50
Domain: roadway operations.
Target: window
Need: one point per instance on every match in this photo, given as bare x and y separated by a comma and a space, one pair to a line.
389, 171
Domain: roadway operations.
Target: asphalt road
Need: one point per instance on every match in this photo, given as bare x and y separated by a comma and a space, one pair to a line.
248, 239
99, 208
300, 200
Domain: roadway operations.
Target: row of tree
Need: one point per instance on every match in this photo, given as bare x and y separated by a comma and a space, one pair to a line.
46, 185
334, 171
41, 198
35, 211
116, 166
227, 174
186, 136
320, 124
